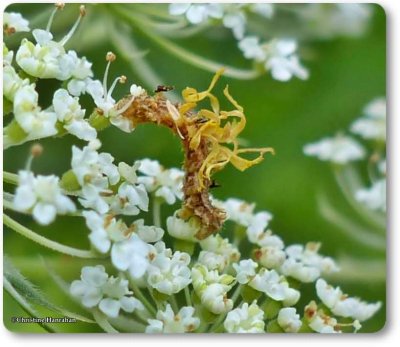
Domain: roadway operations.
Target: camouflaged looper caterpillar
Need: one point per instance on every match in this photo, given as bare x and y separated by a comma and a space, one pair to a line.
205, 136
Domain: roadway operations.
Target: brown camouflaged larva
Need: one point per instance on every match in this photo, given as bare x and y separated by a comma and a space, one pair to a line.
201, 158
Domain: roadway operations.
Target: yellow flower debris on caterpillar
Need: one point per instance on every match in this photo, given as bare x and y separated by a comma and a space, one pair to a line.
209, 139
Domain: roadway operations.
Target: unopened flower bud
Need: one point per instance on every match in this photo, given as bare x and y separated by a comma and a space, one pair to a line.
36, 150
110, 56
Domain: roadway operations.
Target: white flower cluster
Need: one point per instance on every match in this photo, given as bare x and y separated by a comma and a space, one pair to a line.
277, 55
344, 149
48, 59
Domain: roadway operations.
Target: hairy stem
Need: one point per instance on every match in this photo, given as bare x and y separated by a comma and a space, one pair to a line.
41, 240
24, 305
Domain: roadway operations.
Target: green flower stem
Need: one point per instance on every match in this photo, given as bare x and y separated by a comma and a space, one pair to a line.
24, 305
102, 321
139, 295
187, 296
180, 52
55, 246
174, 304
10, 178
157, 212
239, 233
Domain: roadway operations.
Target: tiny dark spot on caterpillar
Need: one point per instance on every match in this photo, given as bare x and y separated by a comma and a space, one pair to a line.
214, 184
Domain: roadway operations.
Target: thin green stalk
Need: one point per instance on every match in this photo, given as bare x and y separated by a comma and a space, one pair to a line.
102, 321
187, 296
10, 178
139, 295
174, 304
24, 305
182, 53
157, 212
41, 240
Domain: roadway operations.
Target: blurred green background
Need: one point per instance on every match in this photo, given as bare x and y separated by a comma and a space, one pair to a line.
345, 74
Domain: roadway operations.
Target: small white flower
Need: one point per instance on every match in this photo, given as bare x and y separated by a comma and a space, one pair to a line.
283, 61
12, 82
106, 230
115, 292
129, 199
289, 320
306, 264
236, 21
339, 149
35, 122
275, 286
77, 87
147, 233
89, 166
220, 246
89, 289
270, 257
15, 22
215, 299
344, 306
212, 261
42, 196
245, 319
251, 48
267, 239
374, 197
296, 269
169, 275
133, 255
212, 288
169, 322
110, 294
245, 270
102, 97
182, 229
243, 214
102, 100
373, 125
91, 197
44, 60
70, 113
127, 172
166, 184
